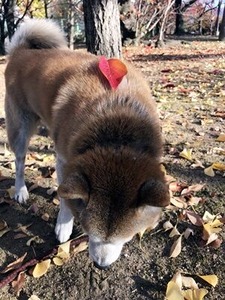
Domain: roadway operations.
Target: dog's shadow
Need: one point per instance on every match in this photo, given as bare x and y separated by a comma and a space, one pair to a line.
148, 289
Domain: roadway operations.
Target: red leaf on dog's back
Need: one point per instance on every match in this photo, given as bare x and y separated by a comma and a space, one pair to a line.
113, 69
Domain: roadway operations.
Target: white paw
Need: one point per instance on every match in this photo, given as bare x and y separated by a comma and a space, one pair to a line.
22, 195
63, 231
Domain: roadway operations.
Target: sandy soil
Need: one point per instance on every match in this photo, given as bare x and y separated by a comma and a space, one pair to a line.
188, 83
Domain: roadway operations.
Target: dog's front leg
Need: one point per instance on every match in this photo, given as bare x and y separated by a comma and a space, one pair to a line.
21, 194
64, 224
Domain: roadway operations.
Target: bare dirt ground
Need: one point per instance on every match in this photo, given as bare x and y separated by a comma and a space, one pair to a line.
187, 81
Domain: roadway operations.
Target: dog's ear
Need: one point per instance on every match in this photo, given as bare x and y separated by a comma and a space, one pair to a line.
74, 186
154, 193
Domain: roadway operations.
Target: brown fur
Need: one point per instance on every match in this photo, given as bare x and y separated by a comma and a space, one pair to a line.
110, 141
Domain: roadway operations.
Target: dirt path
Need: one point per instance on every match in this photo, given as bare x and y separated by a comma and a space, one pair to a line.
188, 83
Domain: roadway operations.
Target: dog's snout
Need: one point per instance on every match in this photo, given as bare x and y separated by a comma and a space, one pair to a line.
100, 267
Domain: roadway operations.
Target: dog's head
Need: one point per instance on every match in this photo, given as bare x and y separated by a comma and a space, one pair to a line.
115, 195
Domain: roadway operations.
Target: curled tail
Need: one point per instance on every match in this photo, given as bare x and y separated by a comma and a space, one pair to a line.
37, 34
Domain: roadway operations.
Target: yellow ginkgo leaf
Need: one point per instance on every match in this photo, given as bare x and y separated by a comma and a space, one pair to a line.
209, 171
173, 291
81, 247
211, 228
65, 247
221, 138
186, 153
218, 166
211, 279
193, 294
41, 268
58, 261
11, 191
189, 282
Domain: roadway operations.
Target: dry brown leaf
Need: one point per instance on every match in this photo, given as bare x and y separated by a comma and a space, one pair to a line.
3, 224
34, 186
188, 232
178, 202
35, 239
15, 264
177, 278
192, 188
23, 228
19, 283
81, 247
211, 279
20, 236
208, 217
191, 294
194, 218
45, 217
176, 247
167, 225
209, 171
51, 191
221, 138
174, 232
194, 200
4, 231
41, 268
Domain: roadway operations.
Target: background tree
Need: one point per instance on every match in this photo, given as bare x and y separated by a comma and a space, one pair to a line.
102, 27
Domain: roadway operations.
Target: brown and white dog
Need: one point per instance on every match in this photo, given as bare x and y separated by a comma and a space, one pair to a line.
107, 140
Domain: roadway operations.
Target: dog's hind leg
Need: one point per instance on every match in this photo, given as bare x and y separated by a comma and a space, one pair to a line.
64, 224
20, 126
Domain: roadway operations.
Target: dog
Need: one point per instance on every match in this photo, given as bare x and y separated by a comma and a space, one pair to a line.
106, 133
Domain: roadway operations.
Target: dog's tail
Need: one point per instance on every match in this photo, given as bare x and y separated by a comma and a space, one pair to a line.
37, 34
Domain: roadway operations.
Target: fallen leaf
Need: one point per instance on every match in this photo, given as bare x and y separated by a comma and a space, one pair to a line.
19, 283
11, 191
186, 153
23, 228
15, 264
218, 166
167, 225
194, 218
3, 224
174, 232
56, 201
177, 278
176, 247
41, 268
192, 188
81, 247
20, 236
211, 279
178, 202
211, 228
173, 291
208, 217
188, 232
45, 217
58, 261
209, 171
34, 186
35, 239
221, 138
4, 231
189, 282
34, 297
198, 294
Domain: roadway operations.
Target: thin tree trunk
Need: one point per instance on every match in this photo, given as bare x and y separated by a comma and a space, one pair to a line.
179, 18
217, 23
102, 27
222, 27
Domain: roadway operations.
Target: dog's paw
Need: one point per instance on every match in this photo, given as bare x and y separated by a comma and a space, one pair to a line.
22, 195
63, 231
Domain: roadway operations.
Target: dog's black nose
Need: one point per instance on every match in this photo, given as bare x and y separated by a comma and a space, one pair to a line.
100, 267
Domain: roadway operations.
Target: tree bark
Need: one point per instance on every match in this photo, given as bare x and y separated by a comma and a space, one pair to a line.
216, 28
102, 27
222, 27
179, 18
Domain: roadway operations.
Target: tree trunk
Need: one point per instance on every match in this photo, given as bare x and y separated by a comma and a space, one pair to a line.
222, 27
9, 17
102, 27
179, 18
216, 28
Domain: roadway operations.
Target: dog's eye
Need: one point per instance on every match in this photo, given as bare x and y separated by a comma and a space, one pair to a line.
79, 203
